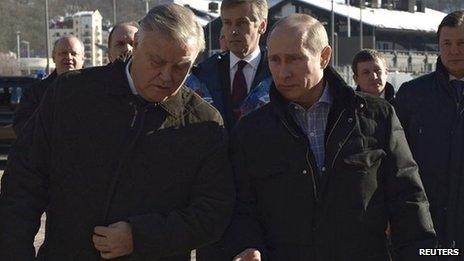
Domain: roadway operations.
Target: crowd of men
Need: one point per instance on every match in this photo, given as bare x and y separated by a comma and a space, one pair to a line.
256, 153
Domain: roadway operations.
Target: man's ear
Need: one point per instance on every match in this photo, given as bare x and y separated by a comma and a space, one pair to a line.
262, 26
325, 56
137, 38
355, 78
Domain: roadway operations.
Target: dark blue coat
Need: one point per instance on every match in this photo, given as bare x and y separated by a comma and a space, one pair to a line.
433, 120
214, 73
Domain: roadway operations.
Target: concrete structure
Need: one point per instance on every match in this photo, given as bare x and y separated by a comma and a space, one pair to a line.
87, 26
405, 30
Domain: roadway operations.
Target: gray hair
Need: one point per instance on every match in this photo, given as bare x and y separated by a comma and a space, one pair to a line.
176, 22
314, 35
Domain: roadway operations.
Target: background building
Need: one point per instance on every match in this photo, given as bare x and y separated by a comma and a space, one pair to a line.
85, 25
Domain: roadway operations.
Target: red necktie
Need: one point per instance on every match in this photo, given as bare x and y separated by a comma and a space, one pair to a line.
239, 89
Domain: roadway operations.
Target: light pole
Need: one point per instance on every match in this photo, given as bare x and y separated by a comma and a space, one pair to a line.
47, 32
348, 20
28, 55
332, 32
336, 49
360, 25
212, 8
114, 12
147, 7
18, 53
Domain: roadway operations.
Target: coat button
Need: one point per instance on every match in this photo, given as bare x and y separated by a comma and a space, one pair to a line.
361, 105
323, 169
350, 120
304, 171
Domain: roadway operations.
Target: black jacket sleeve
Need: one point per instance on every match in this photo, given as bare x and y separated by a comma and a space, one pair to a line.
24, 187
203, 221
407, 204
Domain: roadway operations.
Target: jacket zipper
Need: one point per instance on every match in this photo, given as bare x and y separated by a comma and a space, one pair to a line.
308, 162
134, 115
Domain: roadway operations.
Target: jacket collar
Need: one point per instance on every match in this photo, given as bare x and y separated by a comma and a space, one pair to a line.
118, 84
342, 94
389, 91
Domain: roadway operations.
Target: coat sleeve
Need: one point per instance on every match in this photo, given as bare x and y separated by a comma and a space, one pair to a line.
203, 221
245, 230
407, 204
24, 187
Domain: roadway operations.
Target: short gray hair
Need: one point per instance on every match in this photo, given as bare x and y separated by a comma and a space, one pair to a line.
176, 22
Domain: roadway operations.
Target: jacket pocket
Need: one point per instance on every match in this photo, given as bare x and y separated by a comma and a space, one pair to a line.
365, 158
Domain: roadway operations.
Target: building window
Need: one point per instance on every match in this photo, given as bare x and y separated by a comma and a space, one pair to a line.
86, 26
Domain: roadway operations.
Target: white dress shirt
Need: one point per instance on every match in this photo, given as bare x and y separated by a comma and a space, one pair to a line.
249, 71
129, 78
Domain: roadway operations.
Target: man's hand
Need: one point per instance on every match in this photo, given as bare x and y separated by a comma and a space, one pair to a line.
249, 254
113, 241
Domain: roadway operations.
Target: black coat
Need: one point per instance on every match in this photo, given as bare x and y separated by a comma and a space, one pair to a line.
214, 72
30, 101
99, 155
290, 212
389, 92
433, 121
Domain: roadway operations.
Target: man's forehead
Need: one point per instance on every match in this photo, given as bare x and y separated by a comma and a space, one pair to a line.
69, 45
231, 13
452, 32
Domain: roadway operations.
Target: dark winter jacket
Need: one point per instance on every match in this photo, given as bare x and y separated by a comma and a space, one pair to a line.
290, 212
98, 155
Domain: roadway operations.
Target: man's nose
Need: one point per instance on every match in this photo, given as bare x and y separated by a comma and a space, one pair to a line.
166, 74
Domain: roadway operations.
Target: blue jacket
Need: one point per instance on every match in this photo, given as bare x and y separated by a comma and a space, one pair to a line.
211, 80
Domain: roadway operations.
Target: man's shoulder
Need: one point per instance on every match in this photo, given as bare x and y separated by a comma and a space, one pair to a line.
255, 120
199, 109
87, 79
373, 106
419, 84
212, 61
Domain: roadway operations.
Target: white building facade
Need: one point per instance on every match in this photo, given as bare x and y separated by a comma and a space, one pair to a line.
87, 26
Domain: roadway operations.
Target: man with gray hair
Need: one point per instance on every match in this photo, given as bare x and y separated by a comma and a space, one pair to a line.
321, 169
126, 162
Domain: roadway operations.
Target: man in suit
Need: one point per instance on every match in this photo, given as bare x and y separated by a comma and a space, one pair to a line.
321, 169
121, 40
431, 110
68, 55
236, 81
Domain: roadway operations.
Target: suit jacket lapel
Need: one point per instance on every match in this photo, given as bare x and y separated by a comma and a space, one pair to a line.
262, 71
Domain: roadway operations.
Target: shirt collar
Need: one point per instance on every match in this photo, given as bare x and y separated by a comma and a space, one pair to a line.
252, 59
326, 98
451, 77
129, 78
